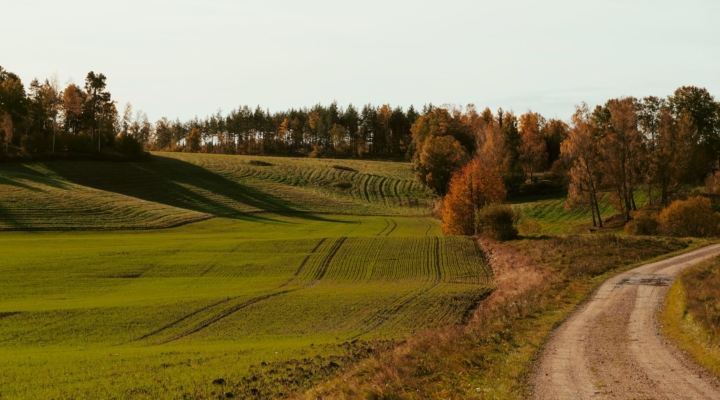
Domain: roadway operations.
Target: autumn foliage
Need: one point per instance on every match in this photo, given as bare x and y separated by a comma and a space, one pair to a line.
474, 187
692, 217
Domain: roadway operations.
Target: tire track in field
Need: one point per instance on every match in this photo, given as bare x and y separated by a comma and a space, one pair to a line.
429, 227
8, 314
302, 265
319, 275
387, 224
390, 311
393, 225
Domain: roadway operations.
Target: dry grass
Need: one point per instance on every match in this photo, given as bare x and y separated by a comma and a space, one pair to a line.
691, 317
539, 283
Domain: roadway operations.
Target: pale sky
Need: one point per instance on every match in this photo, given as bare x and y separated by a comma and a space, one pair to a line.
184, 58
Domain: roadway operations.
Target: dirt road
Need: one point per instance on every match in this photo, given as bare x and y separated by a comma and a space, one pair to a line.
611, 347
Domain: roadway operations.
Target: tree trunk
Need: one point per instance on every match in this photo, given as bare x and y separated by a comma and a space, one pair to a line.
597, 209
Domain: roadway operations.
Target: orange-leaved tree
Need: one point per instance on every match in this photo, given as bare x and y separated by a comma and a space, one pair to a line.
475, 186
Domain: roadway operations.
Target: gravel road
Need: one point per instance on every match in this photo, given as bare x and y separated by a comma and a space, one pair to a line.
611, 347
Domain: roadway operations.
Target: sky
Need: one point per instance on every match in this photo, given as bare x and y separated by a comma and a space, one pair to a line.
192, 58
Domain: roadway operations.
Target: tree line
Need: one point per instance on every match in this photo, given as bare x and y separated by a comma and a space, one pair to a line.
46, 118
655, 143
625, 145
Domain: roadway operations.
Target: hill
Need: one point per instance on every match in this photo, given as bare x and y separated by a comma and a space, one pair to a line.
177, 188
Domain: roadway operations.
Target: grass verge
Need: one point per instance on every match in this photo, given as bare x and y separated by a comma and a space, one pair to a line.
691, 317
540, 283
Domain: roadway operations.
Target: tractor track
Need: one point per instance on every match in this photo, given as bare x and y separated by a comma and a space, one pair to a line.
319, 275
385, 314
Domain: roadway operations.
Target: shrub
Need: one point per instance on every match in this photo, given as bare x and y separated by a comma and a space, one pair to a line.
644, 224
33, 143
498, 221
259, 163
128, 146
693, 217
343, 185
78, 143
344, 168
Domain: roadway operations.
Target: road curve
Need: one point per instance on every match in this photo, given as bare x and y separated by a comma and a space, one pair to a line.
611, 346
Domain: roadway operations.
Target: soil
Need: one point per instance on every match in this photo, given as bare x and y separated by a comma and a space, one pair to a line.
611, 348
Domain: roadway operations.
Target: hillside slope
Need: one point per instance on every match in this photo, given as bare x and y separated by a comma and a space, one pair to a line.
176, 188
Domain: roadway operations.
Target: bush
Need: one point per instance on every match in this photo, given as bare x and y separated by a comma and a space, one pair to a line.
78, 143
498, 221
259, 163
33, 143
644, 224
693, 217
128, 146
344, 168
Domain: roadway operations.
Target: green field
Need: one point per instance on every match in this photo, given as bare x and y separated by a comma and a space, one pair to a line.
555, 217
266, 296
177, 188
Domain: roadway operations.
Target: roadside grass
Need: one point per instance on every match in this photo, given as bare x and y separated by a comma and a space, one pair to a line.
691, 314
270, 305
493, 355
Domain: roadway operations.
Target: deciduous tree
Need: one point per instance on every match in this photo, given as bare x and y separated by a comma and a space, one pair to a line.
440, 157
623, 152
532, 148
581, 149
474, 187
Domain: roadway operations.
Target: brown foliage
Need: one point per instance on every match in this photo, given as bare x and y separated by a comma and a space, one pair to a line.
712, 183
623, 153
474, 187
645, 223
498, 222
581, 149
671, 152
192, 141
693, 217
533, 148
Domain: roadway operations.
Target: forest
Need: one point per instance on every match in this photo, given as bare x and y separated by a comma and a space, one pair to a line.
659, 144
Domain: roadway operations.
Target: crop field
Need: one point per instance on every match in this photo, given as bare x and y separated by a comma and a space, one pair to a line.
164, 313
176, 188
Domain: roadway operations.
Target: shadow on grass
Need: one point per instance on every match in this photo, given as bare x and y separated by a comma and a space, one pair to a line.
181, 184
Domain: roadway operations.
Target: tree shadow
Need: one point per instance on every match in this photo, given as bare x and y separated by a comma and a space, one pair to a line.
9, 182
180, 184
22, 171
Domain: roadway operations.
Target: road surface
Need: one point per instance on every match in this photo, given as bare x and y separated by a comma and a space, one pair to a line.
611, 347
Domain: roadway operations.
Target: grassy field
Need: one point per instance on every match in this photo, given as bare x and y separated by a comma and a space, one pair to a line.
176, 188
147, 314
555, 218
